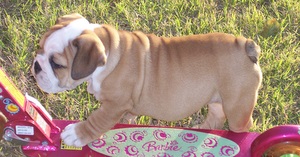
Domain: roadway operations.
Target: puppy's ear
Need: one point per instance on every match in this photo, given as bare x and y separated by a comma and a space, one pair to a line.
48, 33
68, 18
60, 23
90, 54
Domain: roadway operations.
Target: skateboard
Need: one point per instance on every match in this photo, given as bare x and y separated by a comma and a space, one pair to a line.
26, 122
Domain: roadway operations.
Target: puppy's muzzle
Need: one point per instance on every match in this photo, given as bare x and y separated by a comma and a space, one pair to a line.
37, 67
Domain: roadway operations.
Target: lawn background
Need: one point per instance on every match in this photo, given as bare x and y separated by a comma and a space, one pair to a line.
274, 25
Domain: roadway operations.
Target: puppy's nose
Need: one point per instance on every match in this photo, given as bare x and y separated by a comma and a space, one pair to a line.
37, 67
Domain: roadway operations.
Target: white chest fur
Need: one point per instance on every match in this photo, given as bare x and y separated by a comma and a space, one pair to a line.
94, 84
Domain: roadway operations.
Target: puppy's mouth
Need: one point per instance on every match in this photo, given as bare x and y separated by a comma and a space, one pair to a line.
44, 83
47, 84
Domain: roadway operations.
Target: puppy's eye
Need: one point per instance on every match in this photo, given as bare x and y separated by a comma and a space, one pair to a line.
55, 65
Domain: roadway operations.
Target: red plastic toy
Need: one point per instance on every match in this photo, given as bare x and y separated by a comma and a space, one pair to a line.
26, 122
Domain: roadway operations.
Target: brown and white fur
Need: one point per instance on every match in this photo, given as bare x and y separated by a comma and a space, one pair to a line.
143, 74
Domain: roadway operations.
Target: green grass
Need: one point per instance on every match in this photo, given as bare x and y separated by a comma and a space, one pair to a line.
273, 24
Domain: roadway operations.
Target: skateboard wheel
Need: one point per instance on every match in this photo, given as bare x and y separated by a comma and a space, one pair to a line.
3, 121
284, 149
280, 141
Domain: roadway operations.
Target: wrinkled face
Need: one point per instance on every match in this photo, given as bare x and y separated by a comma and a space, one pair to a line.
69, 52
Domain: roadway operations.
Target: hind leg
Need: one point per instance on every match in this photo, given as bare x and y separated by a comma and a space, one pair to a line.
215, 117
238, 109
128, 118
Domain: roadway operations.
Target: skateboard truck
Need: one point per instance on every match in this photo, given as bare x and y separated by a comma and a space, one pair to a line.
9, 135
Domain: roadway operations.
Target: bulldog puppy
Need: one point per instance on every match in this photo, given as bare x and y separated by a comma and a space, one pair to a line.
143, 74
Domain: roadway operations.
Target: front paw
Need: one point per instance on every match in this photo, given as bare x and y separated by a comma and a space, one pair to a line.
72, 135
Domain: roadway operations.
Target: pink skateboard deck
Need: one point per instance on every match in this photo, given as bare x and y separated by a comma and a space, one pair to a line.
143, 141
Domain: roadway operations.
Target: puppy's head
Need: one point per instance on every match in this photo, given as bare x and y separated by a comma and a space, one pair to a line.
69, 53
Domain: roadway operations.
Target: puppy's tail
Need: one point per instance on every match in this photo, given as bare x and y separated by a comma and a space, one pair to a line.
252, 50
